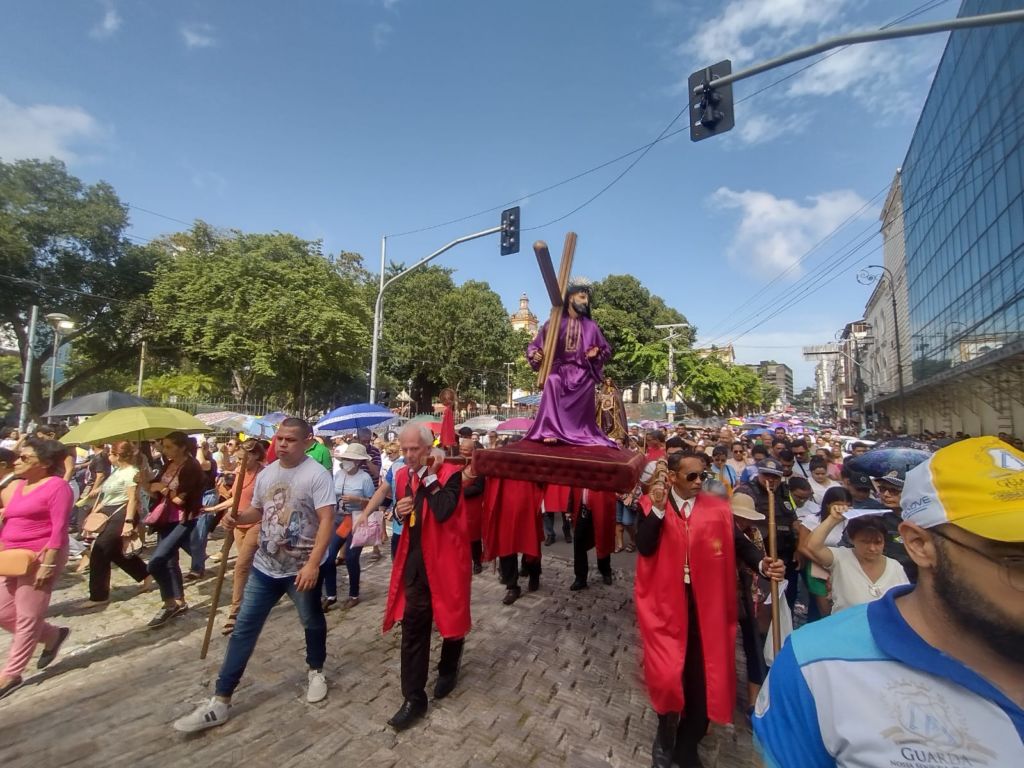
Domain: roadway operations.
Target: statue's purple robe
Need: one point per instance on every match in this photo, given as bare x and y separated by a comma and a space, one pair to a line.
567, 410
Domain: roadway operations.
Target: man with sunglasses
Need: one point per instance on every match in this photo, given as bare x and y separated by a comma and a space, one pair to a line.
686, 606
931, 673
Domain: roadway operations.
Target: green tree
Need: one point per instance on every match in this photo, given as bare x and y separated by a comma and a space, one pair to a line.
269, 311
62, 248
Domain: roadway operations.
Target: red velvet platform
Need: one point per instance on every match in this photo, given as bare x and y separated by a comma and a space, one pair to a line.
582, 466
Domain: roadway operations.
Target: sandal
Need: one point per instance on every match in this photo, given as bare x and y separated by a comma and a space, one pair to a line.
631, 547
228, 628
618, 549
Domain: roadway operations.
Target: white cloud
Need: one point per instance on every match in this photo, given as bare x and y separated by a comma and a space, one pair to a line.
746, 29
44, 130
389, 5
198, 35
381, 32
108, 25
774, 233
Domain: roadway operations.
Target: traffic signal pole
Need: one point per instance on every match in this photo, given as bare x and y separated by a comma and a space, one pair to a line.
704, 84
378, 308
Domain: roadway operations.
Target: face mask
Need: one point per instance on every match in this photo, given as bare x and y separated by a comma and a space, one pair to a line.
348, 465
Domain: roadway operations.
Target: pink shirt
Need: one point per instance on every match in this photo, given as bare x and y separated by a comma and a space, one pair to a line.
38, 520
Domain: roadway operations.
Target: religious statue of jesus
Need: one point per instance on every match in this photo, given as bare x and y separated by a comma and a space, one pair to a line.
567, 412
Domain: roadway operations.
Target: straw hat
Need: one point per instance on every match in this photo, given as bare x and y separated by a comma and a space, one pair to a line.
743, 506
353, 452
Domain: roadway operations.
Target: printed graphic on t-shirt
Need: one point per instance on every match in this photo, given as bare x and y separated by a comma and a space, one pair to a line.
287, 534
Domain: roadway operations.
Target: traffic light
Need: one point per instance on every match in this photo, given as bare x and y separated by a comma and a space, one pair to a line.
510, 231
711, 109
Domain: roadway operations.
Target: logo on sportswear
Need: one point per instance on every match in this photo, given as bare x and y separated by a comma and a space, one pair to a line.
929, 732
1006, 460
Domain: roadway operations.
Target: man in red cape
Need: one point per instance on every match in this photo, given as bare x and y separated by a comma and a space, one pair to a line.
472, 504
430, 578
686, 607
594, 528
512, 525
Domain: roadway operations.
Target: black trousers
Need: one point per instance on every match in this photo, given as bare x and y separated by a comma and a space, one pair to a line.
476, 549
417, 623
106, 551
585, 536
693, 723
508, 567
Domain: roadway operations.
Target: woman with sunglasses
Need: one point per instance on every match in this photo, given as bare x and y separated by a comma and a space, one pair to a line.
35, 514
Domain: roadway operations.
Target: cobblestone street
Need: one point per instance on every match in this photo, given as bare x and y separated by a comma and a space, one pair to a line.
553, 680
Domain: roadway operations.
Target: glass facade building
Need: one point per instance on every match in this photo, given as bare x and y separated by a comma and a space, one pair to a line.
962, 200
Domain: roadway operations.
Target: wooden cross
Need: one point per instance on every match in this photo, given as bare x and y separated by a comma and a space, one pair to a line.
556, 292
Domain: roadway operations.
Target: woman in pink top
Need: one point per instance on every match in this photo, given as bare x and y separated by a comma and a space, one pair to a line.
36, 509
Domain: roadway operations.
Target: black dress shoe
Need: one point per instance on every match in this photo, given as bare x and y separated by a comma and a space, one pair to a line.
534, 584
606, 578
407, 714
568, 537
549, 540
445, 684
477, 568
511, 595
578, 585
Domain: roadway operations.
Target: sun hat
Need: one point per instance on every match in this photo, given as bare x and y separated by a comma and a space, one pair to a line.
743, 506
354, 452
975, 484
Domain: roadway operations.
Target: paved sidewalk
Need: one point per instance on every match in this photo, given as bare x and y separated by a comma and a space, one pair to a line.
551, 681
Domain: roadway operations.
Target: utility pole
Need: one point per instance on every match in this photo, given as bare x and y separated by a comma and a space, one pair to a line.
508, 377
864, 277
29, 359
142, 369
675, 333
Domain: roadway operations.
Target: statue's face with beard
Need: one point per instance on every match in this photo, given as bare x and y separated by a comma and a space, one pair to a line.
580, 303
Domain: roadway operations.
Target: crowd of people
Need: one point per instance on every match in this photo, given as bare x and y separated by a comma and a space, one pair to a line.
939, 550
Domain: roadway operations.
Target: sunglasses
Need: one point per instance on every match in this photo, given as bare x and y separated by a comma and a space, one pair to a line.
694, 475
25, 457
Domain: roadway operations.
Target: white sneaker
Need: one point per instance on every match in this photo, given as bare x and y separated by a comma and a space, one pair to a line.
209, 715
317, 690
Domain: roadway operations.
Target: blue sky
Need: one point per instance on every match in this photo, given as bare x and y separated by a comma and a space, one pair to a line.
353, 119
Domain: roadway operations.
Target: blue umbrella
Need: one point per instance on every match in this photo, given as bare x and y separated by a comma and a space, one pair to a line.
349, 417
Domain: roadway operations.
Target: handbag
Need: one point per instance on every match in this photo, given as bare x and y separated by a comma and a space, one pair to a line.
17, 562
368, 533
165, 512
346, 527
131, 545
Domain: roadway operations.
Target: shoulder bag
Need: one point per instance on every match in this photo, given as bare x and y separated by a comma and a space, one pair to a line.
16, 562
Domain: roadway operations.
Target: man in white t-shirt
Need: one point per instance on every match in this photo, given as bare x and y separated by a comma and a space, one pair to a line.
293, 501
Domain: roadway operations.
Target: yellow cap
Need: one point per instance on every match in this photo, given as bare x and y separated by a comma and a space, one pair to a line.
976, 484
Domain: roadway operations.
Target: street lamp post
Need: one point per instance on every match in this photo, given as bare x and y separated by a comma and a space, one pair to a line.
59, 322
675, 333
864, 277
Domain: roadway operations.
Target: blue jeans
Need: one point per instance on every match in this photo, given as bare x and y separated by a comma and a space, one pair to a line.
197, 542
329, 570
163, 565
262, 593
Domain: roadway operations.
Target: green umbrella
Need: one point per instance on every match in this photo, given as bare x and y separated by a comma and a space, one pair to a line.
140, 423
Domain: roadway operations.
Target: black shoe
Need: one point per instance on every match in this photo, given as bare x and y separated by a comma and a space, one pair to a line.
407, 714
578, 585
606, 578
445, 685
511, 595
523, 572
549, 540
477, 568
568, 537
10, 687
49, 654
534, 584
664, 741
165, 615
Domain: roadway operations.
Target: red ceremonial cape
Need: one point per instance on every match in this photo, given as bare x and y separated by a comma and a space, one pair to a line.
471, 511
556, 498
661, 609
602, 507
446, 558
448, 438
511, 518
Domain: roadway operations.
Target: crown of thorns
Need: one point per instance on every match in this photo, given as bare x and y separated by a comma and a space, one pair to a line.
579, 283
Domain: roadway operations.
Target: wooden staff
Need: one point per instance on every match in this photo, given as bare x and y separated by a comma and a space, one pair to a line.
773, 553
555, 321
229, 536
